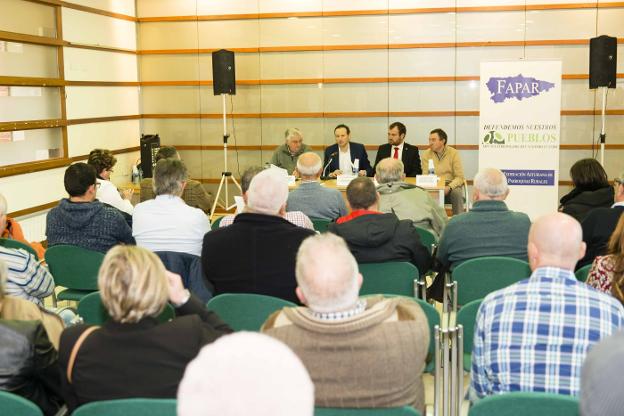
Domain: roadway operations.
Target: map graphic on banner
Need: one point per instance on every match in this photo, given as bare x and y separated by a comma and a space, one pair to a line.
519, 130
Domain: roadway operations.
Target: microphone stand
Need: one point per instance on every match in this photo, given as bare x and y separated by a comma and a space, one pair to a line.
331, 159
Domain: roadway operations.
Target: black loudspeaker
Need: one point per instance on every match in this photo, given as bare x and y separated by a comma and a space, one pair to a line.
602, 61
223, 79
150, 144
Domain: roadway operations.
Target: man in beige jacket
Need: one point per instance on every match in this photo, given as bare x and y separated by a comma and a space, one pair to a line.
360, 352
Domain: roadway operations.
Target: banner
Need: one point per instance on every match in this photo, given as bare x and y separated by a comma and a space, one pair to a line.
519, 130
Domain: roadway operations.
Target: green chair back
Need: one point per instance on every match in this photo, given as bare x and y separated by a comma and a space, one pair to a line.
14, 405
216, 223
467, 316
389, 411
74, 268
93, 312
526, 404
125, 407
433, 318
390, 278
476, 278
427, 238
320, 224
246, 311
10, 243
582, 273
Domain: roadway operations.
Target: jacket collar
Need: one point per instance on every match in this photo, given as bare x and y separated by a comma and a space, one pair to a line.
143, 324
489, 205
253, 218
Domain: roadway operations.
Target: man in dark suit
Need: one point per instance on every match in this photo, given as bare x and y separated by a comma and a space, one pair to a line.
340, 158
397, 148
256, 254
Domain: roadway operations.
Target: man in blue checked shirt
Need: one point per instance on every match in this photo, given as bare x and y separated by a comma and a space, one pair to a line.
535, 334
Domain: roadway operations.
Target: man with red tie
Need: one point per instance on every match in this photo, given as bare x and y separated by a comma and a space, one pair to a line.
398, 149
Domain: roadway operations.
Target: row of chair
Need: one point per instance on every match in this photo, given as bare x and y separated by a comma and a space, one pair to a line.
509, 404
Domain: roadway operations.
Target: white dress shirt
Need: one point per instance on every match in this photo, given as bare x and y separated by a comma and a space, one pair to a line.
344, 161
166, 223
400, 151
109, 194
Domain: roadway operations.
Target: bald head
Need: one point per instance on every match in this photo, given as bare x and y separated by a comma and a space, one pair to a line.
555, 240
490, 183
268, 192
309, 166
389, 170
327, 274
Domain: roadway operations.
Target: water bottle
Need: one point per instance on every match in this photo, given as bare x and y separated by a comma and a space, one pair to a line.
431, 167
355, 167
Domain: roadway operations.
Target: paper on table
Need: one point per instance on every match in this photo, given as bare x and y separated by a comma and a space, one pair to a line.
427, 181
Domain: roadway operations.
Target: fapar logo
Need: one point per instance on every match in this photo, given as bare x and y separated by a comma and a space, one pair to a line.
518, 87
493, 137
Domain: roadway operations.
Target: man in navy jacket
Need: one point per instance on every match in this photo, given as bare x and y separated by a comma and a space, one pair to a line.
340, 157
397, 148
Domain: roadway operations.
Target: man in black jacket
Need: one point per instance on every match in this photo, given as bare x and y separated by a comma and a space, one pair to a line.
375, 237
256, 254
396, 148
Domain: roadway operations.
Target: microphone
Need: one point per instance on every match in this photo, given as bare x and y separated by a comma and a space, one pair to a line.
331, 158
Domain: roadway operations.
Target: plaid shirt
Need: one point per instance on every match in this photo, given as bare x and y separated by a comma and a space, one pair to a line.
535, 334
27, 278
296, 217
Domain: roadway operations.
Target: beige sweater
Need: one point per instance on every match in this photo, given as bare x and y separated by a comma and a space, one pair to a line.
448, 166
23, 310
374, 359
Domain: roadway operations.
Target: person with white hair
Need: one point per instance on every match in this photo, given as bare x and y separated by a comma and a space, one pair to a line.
286, 155
360, 352
310, 197
535, 334
246, 373
256, 254
408, 202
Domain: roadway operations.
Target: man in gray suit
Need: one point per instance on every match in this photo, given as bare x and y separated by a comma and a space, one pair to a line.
310, 197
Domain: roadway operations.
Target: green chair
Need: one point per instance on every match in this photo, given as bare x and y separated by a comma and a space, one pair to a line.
216, 223
467, 316
125, 407
427, 238
476, 278
390, 411
93, 312
582, 273
526, 404
10, 243
320, 224
246, 311
433, 318
75, 268
390, 278
14, 405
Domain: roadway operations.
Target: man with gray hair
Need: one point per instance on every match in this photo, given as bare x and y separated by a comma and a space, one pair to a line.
256, 254
310, 197
285, 156
360, 352
408, 202
167, 223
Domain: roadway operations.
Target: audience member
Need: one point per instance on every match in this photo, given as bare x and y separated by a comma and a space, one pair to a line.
166, 223
29, 359
340, 158
11, 230
599, 224
448, 166
296, 217
408, 202
310, 197
194, 193
360, 352
376, 237
591, 190
286, 155
246, 373
398, 149
103, 161
601, 394
256, 254
534, 334
607, 272
132, 355
81, 220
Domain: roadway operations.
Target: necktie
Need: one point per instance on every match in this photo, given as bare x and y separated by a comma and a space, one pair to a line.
396, 153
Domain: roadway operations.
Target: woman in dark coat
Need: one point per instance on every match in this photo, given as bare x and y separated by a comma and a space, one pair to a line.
591, 189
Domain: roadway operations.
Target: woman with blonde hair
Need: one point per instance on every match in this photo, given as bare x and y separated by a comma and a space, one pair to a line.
132, 355
607, 272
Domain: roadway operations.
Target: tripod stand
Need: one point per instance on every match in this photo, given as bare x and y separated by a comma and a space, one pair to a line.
225, 175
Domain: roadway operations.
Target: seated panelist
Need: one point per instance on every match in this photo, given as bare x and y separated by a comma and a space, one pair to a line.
340, 158
398, 149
